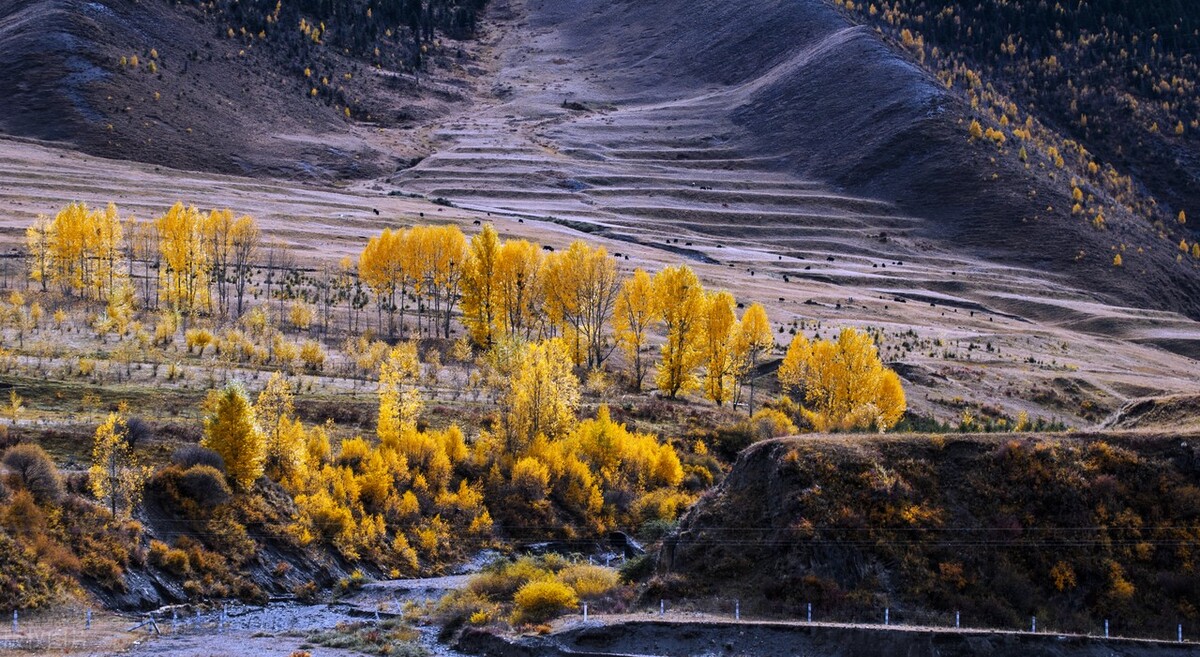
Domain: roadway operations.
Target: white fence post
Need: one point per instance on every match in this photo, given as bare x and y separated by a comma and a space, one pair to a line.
887, 616
1033, 625
585, 612
1106, 628
810, 612
662, 607
737, 610
956, 621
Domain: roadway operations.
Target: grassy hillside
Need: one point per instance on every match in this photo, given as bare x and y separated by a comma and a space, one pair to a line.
1071, 529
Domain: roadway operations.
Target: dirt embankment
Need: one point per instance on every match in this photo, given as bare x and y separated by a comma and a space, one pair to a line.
1173, 413
1070, 528
684, 639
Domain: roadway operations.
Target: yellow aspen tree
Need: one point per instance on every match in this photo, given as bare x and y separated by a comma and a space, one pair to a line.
479, 286
581, 290
519, 289
719, 324
245, 239
400, 401
679, 303
69, 235
275, 409
842, 384
186, 266
562, 273
115, 475
890, 401
37, 241
15, 406
635, 312
444, 251
541, 397
753, 340
108, 237
415, 269
231, 430
381, 268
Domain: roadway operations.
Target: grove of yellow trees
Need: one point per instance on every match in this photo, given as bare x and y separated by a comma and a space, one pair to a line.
841, 384
571, 304
185, 253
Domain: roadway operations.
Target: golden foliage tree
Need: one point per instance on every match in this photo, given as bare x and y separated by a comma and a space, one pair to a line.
37, 242
79, 250
400, 401
719, 324
479, 286
275, 409
115, 475
379, 265
581, 289
753, 340
634, 314
541, 396
842, 384
229, 245
519, 288
679, 303
231, 430
442, 254
185, 259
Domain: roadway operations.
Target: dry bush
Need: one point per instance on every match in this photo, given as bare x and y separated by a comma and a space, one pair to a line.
192, 455
172, 560
205, 485
35, 470
589, 581
539, 601
770, 423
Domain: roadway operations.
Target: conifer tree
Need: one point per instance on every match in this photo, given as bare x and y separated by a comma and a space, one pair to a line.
231, 430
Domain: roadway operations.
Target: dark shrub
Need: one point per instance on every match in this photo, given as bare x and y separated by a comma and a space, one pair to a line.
192, 455
205, 485
137, 431
36, 471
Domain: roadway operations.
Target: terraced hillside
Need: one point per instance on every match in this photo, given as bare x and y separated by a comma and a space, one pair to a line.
596, 118
797, 146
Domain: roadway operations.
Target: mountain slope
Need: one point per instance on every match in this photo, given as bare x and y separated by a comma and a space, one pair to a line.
781, 122
177, 85
820, 97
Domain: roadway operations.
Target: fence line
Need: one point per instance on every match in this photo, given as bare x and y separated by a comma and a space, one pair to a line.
733, 610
